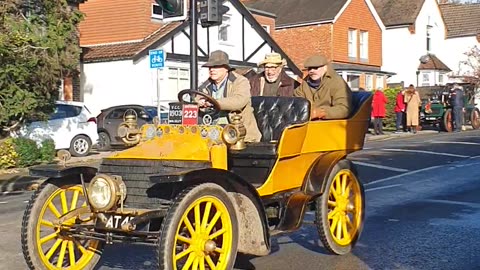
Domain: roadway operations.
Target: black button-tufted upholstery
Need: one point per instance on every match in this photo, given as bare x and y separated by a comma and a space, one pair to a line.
358, 98
273, 114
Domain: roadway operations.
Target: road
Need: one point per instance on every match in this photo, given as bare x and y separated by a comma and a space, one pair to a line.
423, 212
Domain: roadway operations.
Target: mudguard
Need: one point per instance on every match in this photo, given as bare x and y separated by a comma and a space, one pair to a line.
59, 171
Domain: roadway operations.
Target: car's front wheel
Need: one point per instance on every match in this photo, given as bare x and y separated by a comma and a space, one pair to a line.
46, 243
80, 146
340, 210
200, 230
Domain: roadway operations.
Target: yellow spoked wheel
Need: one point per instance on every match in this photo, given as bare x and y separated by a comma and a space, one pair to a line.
44, 242
200, 230
340, 210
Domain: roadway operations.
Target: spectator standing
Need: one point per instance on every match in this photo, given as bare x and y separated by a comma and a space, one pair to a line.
400, 112
378, 110
457, 102
413, 102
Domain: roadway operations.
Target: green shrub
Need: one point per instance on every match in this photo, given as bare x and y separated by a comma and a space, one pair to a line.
27, 150
47, 150
391, 94
8, 155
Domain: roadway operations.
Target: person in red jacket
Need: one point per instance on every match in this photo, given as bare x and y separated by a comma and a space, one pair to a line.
400, 112
378, 110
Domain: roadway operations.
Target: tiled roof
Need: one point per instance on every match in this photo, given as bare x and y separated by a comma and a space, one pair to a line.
292, 12
433, 63
398, 12
461, 19
120, 51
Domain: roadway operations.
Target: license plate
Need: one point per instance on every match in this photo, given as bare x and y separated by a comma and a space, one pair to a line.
113, 221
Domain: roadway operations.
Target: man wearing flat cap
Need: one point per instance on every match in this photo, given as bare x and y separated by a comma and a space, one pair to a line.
457, 103
329, 94
232, 91
273, 81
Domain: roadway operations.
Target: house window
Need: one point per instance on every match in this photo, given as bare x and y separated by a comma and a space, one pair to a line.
157, 12
369, 82
267, 28
380, 81
352, 43
178, 78
440, 79
364, 45
425, 79
223, 30
353, 81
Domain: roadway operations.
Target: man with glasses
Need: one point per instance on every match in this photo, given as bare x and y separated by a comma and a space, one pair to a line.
273, 81
329, 94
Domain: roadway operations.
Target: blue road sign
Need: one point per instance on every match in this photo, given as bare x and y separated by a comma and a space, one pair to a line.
157, 58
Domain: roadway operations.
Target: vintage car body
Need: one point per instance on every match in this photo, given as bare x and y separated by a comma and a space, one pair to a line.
200, 196
437, 111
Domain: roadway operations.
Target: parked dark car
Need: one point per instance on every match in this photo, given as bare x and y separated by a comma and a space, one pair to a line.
109, 119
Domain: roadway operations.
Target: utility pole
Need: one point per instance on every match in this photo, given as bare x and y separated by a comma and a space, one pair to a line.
193, 45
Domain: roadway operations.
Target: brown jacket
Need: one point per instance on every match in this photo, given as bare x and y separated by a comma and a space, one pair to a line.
285, 88
413, 102
237, 98
333, 95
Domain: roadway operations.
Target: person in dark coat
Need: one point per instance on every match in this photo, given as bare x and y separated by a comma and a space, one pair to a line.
378, 110
273, 81
457, 102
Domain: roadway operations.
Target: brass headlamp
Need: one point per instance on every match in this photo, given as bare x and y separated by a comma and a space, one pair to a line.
234, 134
128, 130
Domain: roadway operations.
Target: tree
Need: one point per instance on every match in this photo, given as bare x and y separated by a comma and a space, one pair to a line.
473, 61
38, 47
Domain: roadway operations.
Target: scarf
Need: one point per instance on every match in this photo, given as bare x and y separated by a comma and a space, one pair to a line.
315, 84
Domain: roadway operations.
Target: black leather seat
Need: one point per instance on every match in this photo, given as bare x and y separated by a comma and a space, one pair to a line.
273, 114
358, 98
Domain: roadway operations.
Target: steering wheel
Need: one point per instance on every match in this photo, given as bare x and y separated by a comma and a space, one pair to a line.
210, 110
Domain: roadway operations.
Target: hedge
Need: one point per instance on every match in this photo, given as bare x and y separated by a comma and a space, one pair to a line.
23, 152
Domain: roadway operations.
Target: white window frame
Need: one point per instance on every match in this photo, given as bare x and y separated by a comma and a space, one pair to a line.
266, 27
369, 82
178, 78
156, 16
352, 43
427, 81
226, 24
380, 81
364, 45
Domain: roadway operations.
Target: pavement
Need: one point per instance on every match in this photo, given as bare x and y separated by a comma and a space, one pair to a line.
18, 179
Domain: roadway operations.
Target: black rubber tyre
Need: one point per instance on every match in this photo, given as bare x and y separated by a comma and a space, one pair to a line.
475, 118
210, 246
80, 146
104, 141
446, 123
340, 210
43, 245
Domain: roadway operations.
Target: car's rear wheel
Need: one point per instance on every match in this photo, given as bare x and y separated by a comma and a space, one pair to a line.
80, 146
475, 118
104, 142
200, 230
45, 244
340, 211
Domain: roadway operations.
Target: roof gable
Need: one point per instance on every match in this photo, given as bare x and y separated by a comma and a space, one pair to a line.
299, 12
461, 19
433, 63
138, 49
398, 12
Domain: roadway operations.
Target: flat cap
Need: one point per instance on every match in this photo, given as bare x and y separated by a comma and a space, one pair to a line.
317, 60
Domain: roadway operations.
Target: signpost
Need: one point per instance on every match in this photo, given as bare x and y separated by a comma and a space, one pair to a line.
157, 61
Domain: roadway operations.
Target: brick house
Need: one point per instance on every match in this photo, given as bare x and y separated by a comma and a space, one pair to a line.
348, 32
118, 35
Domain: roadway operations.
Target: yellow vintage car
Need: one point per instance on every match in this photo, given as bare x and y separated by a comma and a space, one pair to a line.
199, 193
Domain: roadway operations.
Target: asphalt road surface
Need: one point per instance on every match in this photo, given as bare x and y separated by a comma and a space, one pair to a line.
423, 212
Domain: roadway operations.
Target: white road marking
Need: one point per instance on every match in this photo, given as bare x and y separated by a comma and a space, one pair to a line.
383, 187
3, 202
425, 152
380, 166
447, 142
403, 175
476, 205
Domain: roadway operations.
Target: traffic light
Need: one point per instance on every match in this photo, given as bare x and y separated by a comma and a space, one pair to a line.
211, 12
172, 9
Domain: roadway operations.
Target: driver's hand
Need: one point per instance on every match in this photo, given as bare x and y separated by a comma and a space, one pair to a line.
202, 103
